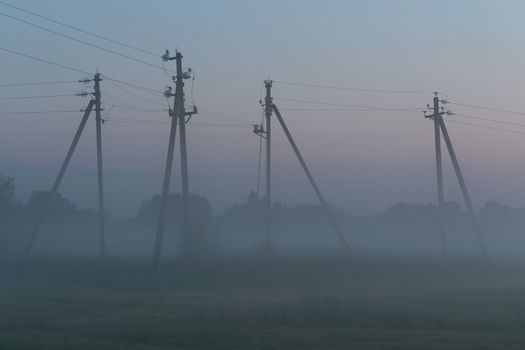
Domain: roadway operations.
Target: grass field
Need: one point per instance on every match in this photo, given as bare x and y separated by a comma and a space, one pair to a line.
279, 302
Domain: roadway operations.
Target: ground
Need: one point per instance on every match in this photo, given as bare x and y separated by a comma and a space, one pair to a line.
311, 301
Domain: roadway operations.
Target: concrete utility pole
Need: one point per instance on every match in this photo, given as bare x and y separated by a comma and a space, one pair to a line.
101, 211
178, 115
464, 191
268, 101
439, 125
185, 224
58, 180
437, 116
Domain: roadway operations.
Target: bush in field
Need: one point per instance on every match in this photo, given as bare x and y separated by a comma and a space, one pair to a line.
56, 208
204, 235
8, 203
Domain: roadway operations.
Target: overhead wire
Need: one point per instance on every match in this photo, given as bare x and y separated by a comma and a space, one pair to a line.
489, 119
39, 112
63, 66
486, 127
487, 108
44, 61
39, 83
357, 109
374, 108
80, 30
135, 95
226, 117
113, 52
382, 91
36, 96
160, 122
136, 86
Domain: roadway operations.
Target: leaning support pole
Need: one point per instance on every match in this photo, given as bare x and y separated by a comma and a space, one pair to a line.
464, 191
58, 179
311, 179
161, 223
439, 178
101, 216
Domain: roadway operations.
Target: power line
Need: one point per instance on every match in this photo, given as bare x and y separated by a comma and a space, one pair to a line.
39, 112
346, 105
351, 109
135, 95
128, 106
44, 61
136, 86
143, 88
486, 108
81, 30
136, 109
39, 83
31, 97
226, 117
160, 122
486, 127
382, 91
81, 41
489, 119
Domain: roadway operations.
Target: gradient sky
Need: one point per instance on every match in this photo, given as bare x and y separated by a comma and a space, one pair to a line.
472, 51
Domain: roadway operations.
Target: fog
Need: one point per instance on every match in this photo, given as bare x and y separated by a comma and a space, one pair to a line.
136, 207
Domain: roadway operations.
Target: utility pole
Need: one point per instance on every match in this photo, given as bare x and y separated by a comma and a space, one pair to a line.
439, 123
437, 116
187, 245
101, 211
270, 108
268, 101
178, 115
258, 129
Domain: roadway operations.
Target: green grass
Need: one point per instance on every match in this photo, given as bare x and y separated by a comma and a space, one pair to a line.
279, 302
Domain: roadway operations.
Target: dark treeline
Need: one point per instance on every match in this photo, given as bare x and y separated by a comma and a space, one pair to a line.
402, 227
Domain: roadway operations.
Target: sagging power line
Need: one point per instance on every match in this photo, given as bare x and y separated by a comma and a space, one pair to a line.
114, 41
355, 89
84, 42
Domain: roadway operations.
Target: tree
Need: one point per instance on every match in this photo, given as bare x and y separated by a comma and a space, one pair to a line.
7, 196
53, 205
204, 236
495, 216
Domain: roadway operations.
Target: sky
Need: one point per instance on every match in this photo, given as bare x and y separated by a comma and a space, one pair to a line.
470, 51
